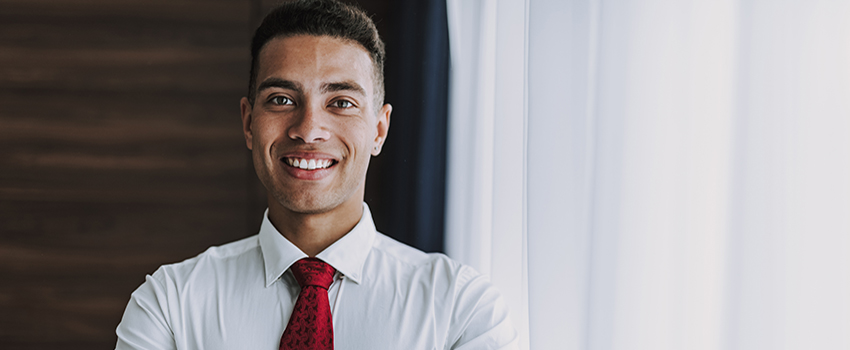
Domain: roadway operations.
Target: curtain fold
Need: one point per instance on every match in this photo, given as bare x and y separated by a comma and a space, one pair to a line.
684, 169
485, 212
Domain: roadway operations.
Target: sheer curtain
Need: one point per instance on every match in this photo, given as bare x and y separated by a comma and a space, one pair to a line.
655, 174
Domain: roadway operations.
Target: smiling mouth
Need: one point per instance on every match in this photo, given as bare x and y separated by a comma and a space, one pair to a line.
309, 164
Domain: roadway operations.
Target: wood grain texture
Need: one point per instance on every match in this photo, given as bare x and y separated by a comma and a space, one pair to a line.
120, 150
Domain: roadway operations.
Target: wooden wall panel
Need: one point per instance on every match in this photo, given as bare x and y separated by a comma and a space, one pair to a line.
120, 150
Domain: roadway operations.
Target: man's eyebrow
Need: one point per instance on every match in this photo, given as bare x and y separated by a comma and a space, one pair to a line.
280, 83
343, 86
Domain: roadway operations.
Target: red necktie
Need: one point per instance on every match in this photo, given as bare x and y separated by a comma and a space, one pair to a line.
310, 326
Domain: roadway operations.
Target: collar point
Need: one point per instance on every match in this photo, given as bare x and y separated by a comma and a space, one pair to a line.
354, 278
270, 281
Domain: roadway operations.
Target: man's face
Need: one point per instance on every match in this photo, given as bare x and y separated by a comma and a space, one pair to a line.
313, 127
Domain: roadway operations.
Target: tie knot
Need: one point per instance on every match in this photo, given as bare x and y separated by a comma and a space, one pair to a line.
313, 272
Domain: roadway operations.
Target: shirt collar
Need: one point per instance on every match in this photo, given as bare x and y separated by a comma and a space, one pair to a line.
347, 255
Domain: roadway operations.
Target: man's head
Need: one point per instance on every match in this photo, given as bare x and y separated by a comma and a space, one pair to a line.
320, 18
315, 115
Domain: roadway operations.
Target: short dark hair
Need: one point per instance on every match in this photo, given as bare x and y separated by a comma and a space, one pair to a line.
321, 18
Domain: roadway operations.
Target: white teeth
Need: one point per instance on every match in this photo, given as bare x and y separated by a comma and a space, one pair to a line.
309, 164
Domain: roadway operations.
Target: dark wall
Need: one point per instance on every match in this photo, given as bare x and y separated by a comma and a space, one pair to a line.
120, 150
406, 184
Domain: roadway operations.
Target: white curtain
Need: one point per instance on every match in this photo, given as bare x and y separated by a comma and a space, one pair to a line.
653, 174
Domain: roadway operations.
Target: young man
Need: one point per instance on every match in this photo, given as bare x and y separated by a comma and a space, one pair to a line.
317, 275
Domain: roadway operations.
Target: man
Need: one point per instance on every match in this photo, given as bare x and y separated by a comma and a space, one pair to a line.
317, 275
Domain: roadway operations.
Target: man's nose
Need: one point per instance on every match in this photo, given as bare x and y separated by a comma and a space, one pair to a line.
309, 126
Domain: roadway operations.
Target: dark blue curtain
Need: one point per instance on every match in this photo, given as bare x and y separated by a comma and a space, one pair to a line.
406, 185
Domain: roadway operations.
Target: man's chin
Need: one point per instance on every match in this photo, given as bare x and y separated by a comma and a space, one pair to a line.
309, 210
307, 206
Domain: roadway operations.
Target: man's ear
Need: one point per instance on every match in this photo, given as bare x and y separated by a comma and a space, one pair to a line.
383, 128
246, 108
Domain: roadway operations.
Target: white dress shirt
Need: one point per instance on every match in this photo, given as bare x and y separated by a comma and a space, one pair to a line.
385, 295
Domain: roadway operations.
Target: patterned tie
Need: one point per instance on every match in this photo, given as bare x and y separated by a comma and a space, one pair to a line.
310, 326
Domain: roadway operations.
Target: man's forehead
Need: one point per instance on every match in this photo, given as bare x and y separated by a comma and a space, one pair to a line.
314, 47
329, 59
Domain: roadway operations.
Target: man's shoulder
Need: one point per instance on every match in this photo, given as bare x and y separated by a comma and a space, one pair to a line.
406, 254
447, 292
410, 260
212, 258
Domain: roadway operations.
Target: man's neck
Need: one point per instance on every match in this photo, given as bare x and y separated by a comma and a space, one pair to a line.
312, 233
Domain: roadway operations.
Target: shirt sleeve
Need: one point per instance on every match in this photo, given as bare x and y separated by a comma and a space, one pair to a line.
480, 319
145, 324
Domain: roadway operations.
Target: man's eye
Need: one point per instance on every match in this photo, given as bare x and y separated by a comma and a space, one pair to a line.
281, 100
342, 104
